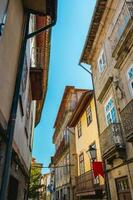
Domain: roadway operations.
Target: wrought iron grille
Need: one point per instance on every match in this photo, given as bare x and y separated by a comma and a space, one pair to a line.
111, 137
127, 119
84, 182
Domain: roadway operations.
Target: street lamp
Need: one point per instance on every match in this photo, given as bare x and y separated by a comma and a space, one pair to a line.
92, 152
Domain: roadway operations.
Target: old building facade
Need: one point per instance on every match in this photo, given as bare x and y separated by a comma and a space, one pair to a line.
24, 63
46, 190
109, 51
84, 122
64, 160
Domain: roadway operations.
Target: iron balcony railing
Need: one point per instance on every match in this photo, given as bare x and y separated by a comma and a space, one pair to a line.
127, 120
111, 139
85, 184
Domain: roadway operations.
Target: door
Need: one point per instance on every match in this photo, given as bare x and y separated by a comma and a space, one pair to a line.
123, 190
12, 189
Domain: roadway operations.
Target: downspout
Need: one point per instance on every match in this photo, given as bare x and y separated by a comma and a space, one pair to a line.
98, 126
13, 113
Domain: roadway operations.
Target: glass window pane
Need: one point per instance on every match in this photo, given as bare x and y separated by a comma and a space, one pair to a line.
130, 73
113, 115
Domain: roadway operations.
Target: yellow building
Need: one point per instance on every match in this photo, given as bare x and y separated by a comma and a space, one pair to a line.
109, 51
84, 121
64, 159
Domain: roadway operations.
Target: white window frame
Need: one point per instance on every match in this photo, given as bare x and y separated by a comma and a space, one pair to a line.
81, 163
102, 53
106, 113
130, 80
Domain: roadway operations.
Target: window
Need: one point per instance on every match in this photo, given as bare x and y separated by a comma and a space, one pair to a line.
110, 112
66, 136
101, 62
89, 115
130, 79
79, 129
123, 190
81, 164
67, 163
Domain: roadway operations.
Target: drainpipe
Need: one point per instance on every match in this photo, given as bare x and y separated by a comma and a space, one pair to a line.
13, 113
98, 126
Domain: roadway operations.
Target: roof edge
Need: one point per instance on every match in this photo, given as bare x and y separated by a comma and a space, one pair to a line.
80, 108
95, 22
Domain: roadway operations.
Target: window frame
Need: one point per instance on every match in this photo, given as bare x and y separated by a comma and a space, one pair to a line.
79, 129
122, 186
130, 80
89, 115
109, 112
101, 54
81, 164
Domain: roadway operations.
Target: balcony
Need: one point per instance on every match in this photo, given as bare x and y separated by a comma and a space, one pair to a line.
111, 141
61, 149
85, 185
36, 78
127, 121
36, 73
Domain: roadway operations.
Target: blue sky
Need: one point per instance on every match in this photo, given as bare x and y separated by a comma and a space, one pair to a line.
68, 37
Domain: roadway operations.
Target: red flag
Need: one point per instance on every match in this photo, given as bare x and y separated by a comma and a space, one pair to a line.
98, 169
